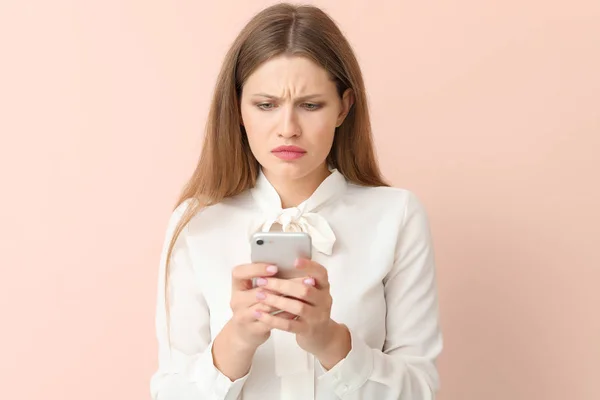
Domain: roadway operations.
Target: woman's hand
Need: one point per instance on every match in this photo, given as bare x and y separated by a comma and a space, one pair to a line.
311, 301
245, 305
247, 331
235, 345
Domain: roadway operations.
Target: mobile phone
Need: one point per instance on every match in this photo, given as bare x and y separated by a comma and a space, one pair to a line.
281, 249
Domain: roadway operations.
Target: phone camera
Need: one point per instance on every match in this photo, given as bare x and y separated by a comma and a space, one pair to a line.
260, 242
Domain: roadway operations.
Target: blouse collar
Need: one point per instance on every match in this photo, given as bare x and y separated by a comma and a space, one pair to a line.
268, 198
304, 217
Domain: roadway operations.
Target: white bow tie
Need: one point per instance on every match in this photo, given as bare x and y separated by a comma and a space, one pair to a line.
296, 220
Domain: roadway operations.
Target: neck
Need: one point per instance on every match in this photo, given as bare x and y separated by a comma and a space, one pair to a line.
293, 192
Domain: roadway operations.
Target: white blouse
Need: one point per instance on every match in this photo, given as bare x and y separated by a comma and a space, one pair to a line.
377, 248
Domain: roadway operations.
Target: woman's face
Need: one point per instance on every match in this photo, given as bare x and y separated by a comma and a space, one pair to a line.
292, 102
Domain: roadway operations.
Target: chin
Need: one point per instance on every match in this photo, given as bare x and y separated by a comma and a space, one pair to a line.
289, 169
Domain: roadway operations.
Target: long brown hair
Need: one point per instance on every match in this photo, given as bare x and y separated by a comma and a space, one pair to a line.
226, 166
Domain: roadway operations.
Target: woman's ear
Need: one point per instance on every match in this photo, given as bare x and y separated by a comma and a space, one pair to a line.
347, 103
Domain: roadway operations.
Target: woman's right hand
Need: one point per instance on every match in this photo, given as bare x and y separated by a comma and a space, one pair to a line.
247, 331
234, 347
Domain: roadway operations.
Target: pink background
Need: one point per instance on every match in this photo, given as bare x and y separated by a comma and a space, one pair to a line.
489, 111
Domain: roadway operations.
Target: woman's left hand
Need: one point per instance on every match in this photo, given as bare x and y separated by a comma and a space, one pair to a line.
311, 301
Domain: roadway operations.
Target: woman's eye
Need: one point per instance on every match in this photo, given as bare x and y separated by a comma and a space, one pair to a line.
265, 106
311, 107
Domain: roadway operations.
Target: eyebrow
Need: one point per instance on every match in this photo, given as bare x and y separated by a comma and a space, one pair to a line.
302, 98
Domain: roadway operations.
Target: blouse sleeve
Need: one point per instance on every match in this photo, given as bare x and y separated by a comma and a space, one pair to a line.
185, 369
405, 369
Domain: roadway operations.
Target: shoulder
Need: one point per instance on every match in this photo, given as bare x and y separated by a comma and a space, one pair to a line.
182, 208
176, 216
402, 202
382, 193
213, 215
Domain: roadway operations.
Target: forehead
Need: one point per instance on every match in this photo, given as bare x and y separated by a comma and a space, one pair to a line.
289, 73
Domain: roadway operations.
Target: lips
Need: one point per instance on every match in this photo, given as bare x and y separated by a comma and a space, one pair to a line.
293, 149
288, 152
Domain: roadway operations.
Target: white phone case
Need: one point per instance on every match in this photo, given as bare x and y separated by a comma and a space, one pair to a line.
281, 249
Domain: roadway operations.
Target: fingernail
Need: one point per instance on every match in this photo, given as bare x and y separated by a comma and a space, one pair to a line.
309, 281
261, 282
261, 295
298, 263
271, 269
257, 314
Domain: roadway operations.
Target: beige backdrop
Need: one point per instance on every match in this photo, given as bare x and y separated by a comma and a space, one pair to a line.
488, 110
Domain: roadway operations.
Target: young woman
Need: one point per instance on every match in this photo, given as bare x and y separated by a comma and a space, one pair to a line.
288, 147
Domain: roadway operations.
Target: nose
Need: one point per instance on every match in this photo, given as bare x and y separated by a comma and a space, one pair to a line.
289, 125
